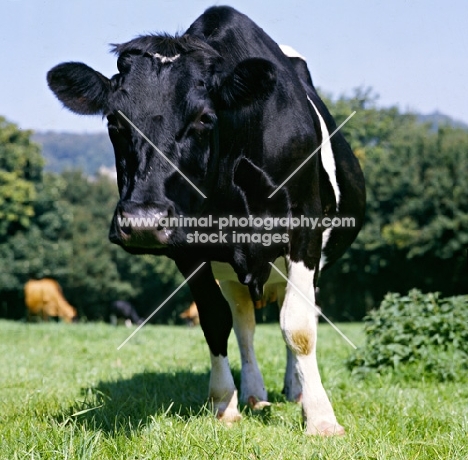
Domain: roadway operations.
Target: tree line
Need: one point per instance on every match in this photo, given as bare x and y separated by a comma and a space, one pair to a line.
415, 234
56, 225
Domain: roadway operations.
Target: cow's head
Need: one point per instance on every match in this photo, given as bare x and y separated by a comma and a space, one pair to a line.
67, 312
168, 94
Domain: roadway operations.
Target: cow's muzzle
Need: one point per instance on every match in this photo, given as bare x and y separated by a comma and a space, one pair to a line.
141, 225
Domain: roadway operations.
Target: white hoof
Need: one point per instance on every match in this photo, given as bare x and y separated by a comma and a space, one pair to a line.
325, 429
226, 410
257, 404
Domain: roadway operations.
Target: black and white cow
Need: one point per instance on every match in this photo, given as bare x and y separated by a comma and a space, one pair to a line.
231, 117
124, 311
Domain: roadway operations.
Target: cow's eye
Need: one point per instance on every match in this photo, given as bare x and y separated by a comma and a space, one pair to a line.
207, 119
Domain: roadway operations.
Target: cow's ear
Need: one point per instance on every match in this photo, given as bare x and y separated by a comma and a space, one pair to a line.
80, 88
251, 81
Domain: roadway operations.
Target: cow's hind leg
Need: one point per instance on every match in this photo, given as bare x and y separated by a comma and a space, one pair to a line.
299, 328
216, 323
292, 387
252, 389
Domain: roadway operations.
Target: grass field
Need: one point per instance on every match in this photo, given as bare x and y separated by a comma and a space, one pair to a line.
67, 393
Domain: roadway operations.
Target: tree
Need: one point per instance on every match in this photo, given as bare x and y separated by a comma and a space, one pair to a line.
416, 232
20, 169
24, 210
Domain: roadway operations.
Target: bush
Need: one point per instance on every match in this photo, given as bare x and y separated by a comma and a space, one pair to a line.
416, 335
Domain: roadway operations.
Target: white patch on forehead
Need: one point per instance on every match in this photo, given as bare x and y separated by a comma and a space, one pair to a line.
165, 59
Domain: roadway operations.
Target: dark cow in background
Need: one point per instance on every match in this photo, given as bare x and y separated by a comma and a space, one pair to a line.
44, 298
121, 310
211, 123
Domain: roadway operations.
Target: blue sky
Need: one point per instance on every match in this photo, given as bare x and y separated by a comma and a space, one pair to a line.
413, 53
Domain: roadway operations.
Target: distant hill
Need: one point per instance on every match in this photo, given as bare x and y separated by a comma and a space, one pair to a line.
90, 152
69, 150
438, 119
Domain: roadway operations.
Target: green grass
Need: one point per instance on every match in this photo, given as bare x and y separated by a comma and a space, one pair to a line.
67, 393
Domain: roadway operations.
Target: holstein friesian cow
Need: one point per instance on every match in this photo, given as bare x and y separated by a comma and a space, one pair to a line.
44, 297
209, 125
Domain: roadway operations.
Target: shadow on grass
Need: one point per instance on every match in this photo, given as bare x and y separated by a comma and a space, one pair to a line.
129, 403
126, 404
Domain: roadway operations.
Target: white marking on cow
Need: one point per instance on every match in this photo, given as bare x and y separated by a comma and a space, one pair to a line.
291, 52
222, 391
328, 159
252, 387
165, 59
316, 309
223, 271
299, 328
311, 155
325, 237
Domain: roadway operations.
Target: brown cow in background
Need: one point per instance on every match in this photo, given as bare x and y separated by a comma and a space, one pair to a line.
190, 316
44, 297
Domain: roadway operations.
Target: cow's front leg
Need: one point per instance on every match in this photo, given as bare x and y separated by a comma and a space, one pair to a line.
222, 391
299, 328
252, 388
216, 323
